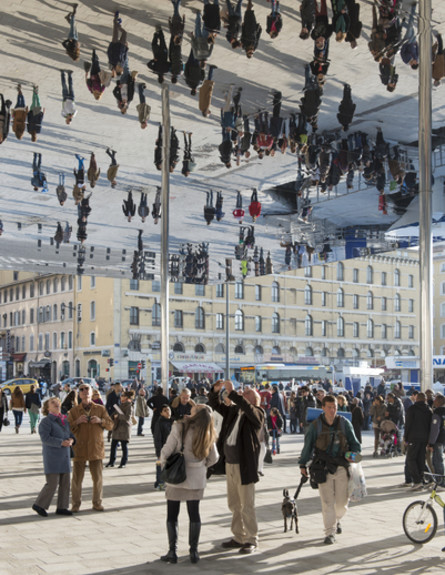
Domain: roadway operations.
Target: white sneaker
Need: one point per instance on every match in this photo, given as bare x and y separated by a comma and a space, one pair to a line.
417, 487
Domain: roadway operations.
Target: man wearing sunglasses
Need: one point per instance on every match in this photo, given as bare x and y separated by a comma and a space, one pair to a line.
88, 421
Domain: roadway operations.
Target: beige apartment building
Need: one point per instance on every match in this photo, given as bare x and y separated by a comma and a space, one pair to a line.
341, 313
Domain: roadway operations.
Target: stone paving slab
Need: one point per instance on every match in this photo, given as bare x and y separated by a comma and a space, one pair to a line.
130, 536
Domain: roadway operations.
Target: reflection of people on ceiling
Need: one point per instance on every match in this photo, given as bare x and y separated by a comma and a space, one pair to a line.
19, 114
68, 105
113, 167
159, 64
35, 115
255, 205
238, 212
118, 47
274, 20
250, 31
188, 163
156, 208
346, 108
143, 209
143, 108
93, 171
95, 78
5, 117
233, 22
71, 44
209, 208
128, 206
38, 179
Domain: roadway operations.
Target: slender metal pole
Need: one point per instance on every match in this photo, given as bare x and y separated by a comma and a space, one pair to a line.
425, 196
227, 331
165, 237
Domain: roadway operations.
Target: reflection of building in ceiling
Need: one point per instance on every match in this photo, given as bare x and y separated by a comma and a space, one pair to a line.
336, 313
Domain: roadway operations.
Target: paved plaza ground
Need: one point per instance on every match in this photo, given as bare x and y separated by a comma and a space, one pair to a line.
130, 536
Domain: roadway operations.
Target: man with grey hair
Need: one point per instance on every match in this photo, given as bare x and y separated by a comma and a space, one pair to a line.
436, 439
182, 405
243, 421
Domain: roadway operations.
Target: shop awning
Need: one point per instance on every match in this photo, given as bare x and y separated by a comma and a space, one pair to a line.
40, 363
196, 367
18, 357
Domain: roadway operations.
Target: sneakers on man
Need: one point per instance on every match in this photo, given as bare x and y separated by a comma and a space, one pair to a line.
329, 540
417, 487
339, 530
231, 544
247, 548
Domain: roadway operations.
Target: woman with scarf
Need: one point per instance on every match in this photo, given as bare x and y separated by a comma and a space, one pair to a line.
57, 439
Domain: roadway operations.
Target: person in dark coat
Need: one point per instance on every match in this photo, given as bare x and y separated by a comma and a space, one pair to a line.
161, 432
35, 115
155, 403
346, 108
357, 419
118, 47
56, 437
143, 209
159, 64
417, 431
113, 398
250, 31
355, 24
209, 208
5, 118
121, 431
233, 23
436, 440
244, 419
307, 13
129, 207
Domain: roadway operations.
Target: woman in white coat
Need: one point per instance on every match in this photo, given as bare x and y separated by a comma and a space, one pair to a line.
198, 434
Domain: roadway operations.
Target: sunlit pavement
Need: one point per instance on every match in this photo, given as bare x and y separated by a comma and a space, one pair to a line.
130, 535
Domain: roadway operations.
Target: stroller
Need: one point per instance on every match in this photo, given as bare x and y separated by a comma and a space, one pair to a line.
388, 438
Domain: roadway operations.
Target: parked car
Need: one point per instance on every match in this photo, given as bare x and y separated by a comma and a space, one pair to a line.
73, 382
23, 382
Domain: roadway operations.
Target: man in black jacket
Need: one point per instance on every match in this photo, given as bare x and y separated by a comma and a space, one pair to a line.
243, 419
436, 439
417, 431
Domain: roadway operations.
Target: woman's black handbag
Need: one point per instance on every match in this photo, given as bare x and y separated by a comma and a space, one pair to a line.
6, 422
174, 469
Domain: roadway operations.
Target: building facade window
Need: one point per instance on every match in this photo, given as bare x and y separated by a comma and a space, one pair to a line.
239, 320
220, 290
324, 328
200, 348
239, 349
31, 343
258, 323
340, 298
308, 325
411, 306
308, 295
323, 272
411, 332
410, 281
200, 290
134, 315
239, 290
178, 347
397, 302
355, 275
398, 330
340, 327
54, 340
134, 285
370, 300
275, 292
384, 331
156, 315
178, 288
384, 280
356, 329
93, 311
340, 271
155, 286
276, 323
219, 321
70, 340
355, 301
397, 277
308, 272
178, 318
324, 298
92, 338
369, 275
92, 282
370, 328
258, 292
200, 322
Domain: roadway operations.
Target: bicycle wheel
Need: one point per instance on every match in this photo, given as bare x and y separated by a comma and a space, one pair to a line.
420, 522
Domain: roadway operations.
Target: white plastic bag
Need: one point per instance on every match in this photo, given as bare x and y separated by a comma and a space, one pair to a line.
357, 484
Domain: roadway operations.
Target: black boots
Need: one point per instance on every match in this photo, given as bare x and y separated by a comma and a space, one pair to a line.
194, 532
172, 531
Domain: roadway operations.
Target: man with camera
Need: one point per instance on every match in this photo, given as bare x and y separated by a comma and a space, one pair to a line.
243, 420
87, 422
328, 439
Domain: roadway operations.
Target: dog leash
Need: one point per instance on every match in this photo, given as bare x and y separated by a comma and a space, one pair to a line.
303, 480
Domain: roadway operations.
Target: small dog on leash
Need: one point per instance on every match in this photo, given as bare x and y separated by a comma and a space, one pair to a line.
289, 511
289, 506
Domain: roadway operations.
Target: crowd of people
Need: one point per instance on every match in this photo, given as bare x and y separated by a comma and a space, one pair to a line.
252, 421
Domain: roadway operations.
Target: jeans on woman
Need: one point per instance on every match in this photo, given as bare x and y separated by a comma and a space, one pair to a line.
18, 417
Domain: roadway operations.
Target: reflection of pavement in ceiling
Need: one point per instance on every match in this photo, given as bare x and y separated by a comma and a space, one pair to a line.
30, 37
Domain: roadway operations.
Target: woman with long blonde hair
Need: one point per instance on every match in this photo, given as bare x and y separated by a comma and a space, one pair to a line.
197, 434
